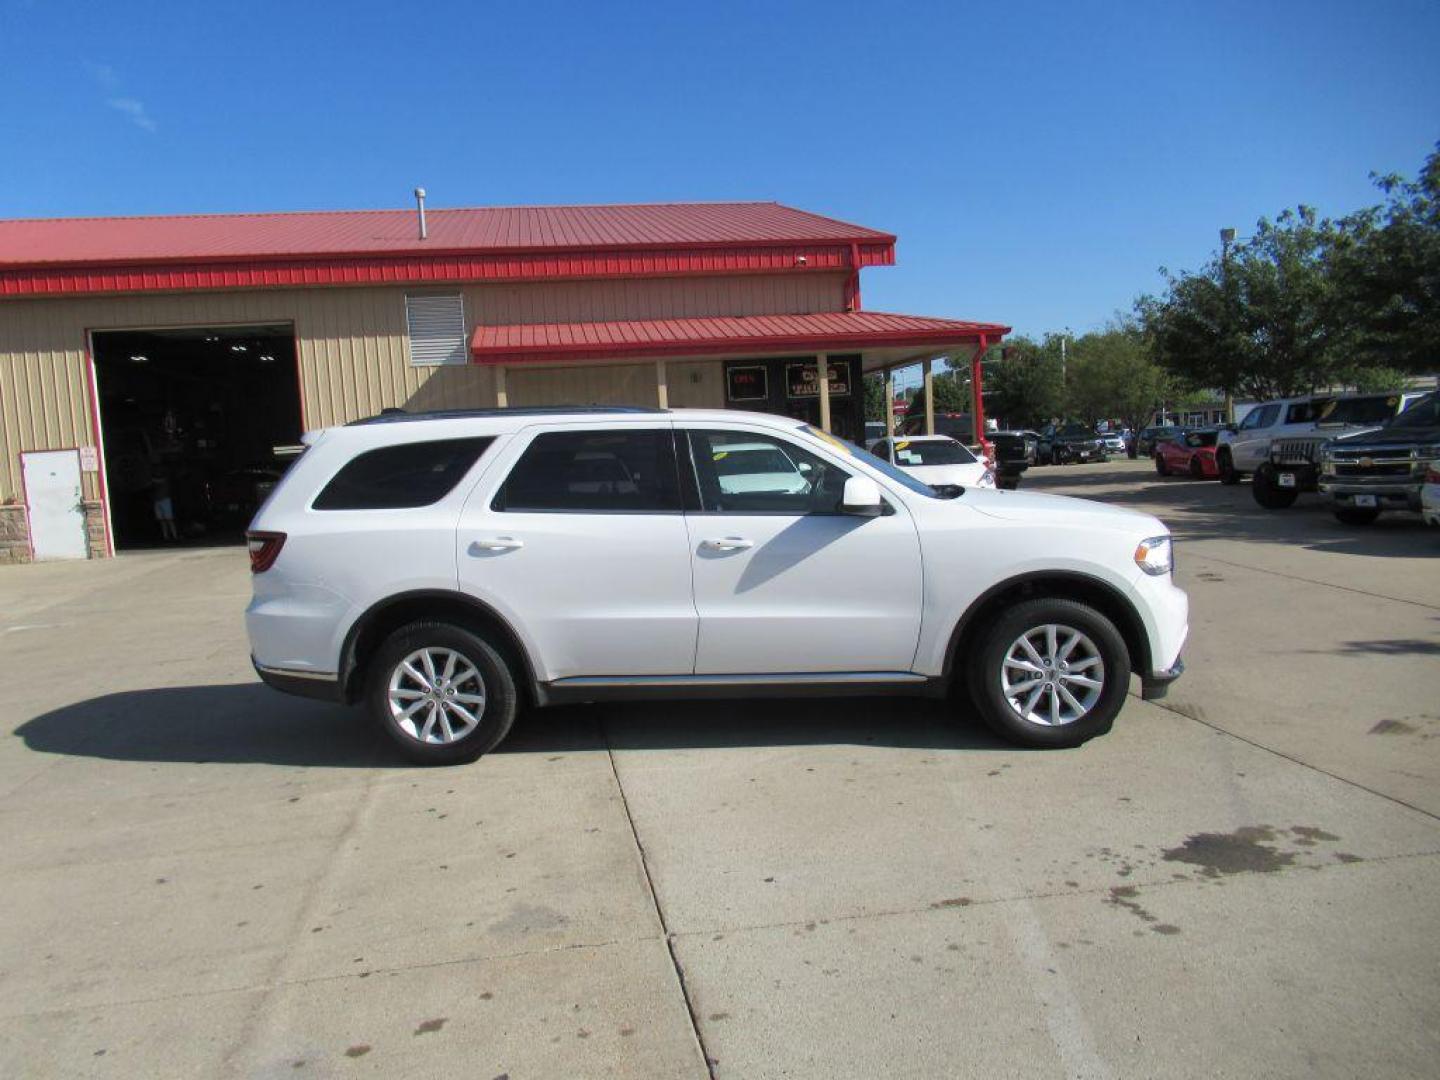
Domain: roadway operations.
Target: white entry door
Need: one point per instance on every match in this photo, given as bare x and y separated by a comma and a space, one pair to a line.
783, 582
52, 497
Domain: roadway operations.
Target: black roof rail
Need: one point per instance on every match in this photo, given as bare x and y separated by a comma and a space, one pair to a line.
393, 415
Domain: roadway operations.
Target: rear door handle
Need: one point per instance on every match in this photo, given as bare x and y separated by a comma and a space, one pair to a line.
728, 543
497, 543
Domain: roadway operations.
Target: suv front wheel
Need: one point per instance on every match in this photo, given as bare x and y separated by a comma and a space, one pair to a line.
442, 693
1226, 464
1050, 673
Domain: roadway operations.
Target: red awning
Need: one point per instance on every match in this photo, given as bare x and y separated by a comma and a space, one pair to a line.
828, 331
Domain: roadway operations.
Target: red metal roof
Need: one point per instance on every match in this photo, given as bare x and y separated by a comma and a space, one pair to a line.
219, 237
832, 331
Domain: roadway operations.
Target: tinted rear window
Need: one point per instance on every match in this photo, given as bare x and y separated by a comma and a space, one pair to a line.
1372, 410
401, 477
595, 472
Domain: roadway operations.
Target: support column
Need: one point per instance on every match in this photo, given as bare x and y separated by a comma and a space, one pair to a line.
977, 390
502, 399
889, 377
929, 396
822, 372
662, 386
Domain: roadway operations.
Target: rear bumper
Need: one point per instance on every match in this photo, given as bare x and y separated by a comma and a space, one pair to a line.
310, 684
1156, 685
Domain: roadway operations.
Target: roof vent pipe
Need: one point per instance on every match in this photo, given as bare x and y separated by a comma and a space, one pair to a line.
420, 205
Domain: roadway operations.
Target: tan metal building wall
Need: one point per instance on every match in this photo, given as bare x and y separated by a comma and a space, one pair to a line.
352, 348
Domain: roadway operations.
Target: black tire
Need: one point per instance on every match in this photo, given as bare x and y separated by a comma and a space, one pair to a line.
1197, 471
1160, 466
987, 659
1356, 515
1226, 463
1268, 493
501, 701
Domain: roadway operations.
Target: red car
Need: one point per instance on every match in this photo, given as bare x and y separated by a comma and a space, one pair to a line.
1190, 452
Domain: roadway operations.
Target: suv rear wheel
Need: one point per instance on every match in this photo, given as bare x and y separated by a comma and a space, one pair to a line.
442, 693
1050, 673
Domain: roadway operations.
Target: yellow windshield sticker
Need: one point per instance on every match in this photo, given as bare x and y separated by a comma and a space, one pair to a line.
718, 455
902, 445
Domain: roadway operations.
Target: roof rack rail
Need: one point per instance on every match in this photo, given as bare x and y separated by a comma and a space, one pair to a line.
395, 415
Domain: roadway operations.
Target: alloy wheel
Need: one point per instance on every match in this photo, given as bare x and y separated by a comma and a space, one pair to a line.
436, 696
1052, 675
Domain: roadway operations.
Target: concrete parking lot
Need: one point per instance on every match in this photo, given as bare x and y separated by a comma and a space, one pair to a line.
202, 877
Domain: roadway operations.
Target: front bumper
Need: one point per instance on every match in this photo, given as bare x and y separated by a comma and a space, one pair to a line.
1388, 494
1156, 685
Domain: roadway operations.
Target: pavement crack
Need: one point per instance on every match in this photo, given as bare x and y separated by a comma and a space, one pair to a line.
670, 937
943, 910
1312, 581
1194, 716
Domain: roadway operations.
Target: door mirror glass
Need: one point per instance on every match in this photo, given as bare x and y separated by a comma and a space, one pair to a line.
862, 498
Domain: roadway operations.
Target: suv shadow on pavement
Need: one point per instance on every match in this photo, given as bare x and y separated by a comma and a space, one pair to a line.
247, 723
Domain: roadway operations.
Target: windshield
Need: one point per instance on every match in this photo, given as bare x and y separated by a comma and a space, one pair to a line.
904, 479
917, 452
1200, 438
1425, 413
1076, 429
1366, 411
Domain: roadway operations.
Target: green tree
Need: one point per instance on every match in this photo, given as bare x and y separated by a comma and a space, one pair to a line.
1259, 323
1024, 386
1386, 264
1113, 376
952, 391
875, 403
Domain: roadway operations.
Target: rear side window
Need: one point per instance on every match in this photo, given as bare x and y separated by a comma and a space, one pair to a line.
594, 472
401, 477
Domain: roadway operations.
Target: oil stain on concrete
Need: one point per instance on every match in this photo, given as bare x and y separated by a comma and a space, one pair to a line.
1246, 850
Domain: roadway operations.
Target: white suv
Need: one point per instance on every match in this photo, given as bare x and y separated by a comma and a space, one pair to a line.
449, 569
1247, 448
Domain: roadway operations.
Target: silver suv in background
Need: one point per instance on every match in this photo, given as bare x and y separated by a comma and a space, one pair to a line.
1247, 447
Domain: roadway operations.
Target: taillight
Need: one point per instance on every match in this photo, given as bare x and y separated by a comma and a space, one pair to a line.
1432, 474
264, 549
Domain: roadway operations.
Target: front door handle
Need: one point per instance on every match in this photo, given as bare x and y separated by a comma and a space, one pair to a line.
728, 543
497, 543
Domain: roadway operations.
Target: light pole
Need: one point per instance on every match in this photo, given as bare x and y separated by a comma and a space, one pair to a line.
1227, 237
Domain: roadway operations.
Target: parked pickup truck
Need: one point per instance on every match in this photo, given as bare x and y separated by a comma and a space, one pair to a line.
1014, 453
1360, 474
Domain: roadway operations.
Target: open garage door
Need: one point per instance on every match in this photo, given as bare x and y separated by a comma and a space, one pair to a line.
191, 419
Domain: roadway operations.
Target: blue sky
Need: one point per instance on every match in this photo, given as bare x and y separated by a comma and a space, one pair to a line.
1039, 162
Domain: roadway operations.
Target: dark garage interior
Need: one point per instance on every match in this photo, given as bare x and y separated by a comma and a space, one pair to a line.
194, 415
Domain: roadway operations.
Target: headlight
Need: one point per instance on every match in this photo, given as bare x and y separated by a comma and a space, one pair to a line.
1155, 556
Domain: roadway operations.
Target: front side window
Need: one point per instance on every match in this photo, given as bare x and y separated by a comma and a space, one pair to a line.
594, 472
743, 473
401, 477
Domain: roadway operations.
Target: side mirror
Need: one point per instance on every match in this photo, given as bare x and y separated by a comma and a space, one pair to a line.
862, 498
